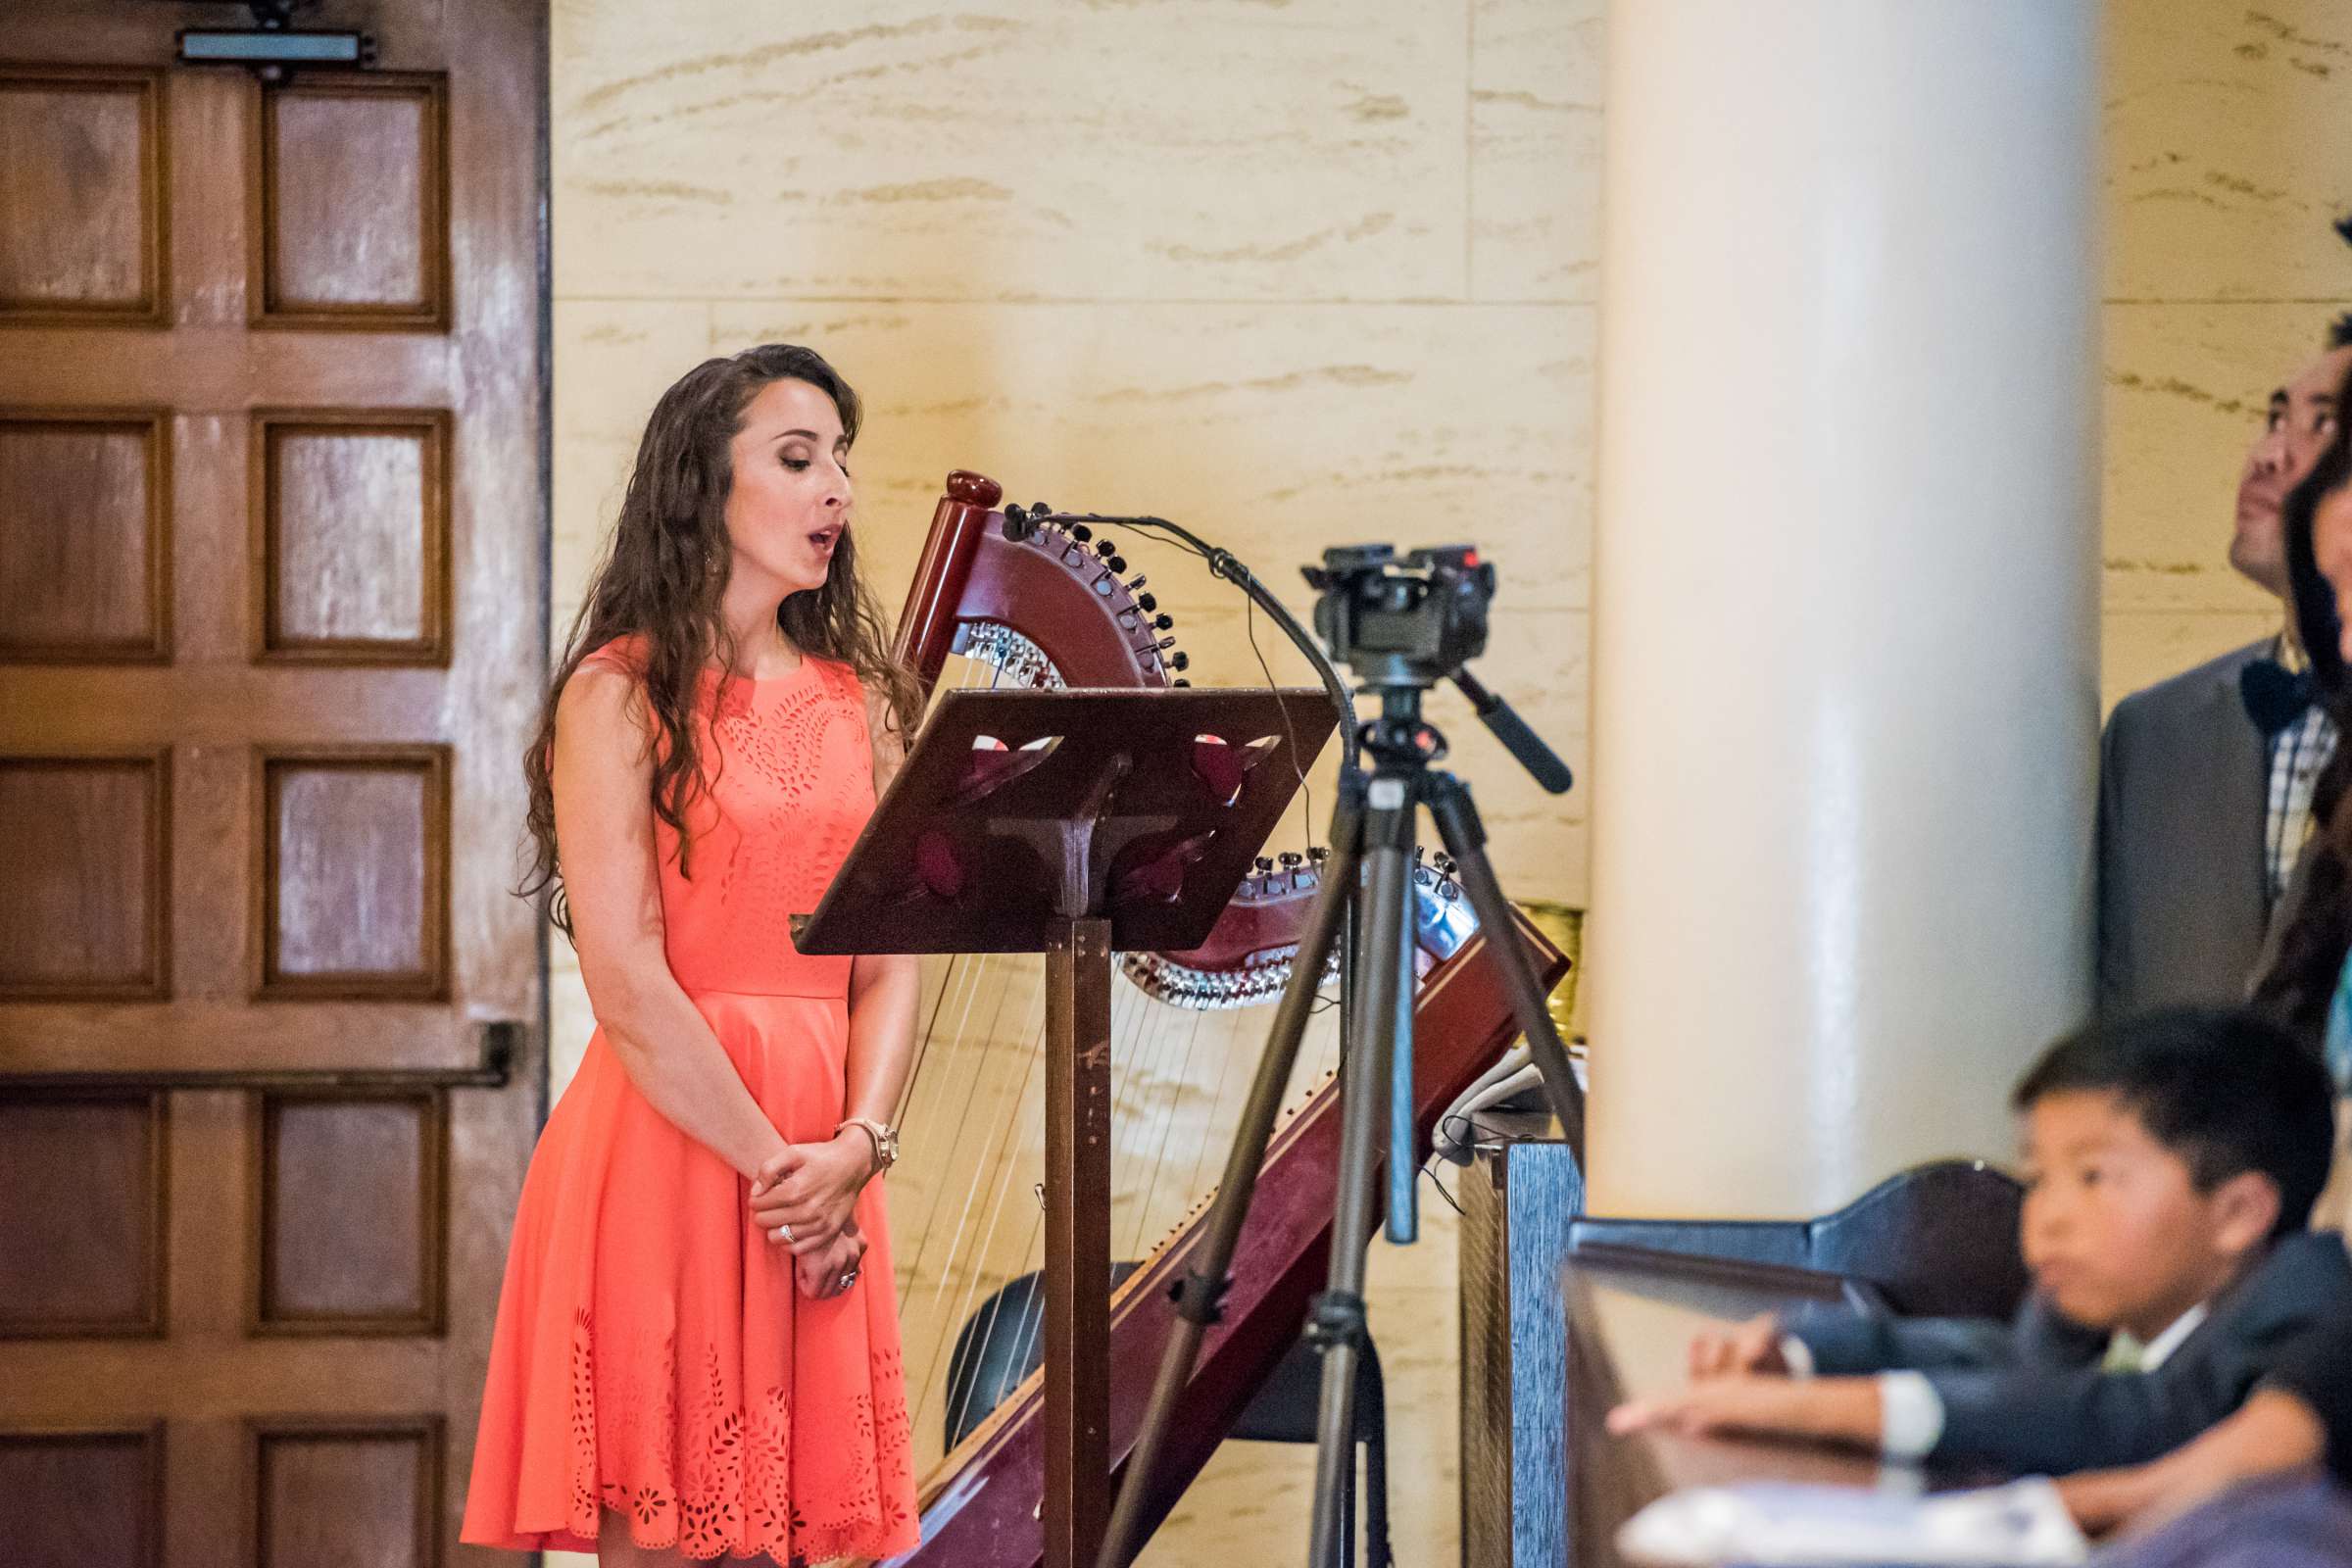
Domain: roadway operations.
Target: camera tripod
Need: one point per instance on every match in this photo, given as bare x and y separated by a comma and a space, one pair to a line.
1372, 839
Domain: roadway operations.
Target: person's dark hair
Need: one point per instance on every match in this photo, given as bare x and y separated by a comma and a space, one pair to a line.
2225, 1089
661, 579
2300, 978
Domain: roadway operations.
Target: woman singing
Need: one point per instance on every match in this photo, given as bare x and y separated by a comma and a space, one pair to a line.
697, 1352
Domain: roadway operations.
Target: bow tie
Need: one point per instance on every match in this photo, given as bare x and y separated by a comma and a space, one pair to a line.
2275, 696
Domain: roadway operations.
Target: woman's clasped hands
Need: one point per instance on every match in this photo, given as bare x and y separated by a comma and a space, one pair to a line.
804, 1198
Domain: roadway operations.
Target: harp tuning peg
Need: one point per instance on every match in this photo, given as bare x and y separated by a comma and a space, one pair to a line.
1318, 852
1106, 549
1144, 602
1264, 865
1166, 643
1081, 532
1180, 682
1162, 622
1117, 564
1290, 858
1182, 661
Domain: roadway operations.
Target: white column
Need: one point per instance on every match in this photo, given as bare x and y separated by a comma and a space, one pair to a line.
1845, 636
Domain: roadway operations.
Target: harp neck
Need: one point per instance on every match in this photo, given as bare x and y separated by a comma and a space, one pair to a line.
927, 624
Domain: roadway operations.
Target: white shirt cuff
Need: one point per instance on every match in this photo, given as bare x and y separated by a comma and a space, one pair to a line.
1910, 1415
1798, 1355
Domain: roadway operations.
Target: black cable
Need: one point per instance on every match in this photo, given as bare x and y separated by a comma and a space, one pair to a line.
1224, 564
1307, 791
1431, 1174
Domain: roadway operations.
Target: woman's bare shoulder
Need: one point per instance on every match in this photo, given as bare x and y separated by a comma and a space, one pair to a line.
602, 695
623, 655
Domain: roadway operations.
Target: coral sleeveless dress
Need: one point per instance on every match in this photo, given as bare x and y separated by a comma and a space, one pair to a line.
654, 1356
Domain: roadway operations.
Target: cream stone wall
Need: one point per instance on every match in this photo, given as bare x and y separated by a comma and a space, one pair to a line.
2223, 125
1297, 275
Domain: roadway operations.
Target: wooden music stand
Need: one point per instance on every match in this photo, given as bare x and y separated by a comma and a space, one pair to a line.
1076, 824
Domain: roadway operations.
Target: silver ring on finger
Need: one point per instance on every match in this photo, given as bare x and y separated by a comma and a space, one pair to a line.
784, 1233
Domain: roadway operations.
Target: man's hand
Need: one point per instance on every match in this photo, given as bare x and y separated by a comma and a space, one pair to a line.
1752, 1348
1824, 1409
810, 1188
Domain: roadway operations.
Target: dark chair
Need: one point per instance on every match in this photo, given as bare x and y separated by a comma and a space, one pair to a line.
1002, 1342
1937, 1241
1284, 1411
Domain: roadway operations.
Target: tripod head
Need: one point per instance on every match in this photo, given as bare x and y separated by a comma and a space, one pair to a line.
1404, 626
1411, 624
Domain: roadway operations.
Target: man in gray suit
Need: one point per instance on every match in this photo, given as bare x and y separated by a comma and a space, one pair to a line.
2205, 779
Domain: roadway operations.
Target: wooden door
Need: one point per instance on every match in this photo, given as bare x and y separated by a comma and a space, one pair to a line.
273, 533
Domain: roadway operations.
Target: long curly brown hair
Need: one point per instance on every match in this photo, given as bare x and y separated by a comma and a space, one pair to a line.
661, 579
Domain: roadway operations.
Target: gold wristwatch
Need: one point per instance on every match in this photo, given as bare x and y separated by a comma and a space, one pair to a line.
885, 1141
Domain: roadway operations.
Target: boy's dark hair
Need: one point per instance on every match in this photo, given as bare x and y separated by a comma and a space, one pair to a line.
2225, 1089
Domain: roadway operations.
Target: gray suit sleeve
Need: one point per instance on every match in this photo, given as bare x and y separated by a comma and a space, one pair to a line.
1851, 1345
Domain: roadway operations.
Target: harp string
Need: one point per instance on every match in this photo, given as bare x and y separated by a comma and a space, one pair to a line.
1173, 1095
973, 1271
1020, 1326
978, 1196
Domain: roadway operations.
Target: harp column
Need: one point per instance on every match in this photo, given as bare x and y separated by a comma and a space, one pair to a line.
1845, 637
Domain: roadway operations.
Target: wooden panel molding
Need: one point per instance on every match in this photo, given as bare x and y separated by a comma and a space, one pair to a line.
88, 915
350, 203
84, 1205
83, 181
349, 1213
351, 547
227, 1043
351, 874
86, 536
345, 1491
92, 1497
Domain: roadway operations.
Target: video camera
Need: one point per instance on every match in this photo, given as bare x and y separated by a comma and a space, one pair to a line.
1412, 625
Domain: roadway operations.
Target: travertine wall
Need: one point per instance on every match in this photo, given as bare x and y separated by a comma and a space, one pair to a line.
2222, 125
1311, 272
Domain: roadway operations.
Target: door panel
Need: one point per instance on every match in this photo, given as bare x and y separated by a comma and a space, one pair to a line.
271, 635
82, 182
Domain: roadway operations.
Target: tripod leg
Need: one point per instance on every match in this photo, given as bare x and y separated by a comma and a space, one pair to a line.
1450, 802
1337, 1320
1404, 1161
1203, 1287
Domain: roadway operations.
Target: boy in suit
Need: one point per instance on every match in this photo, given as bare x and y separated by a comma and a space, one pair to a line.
2172, 1163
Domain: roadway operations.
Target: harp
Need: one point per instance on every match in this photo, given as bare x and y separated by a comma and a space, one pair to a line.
1053, 609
